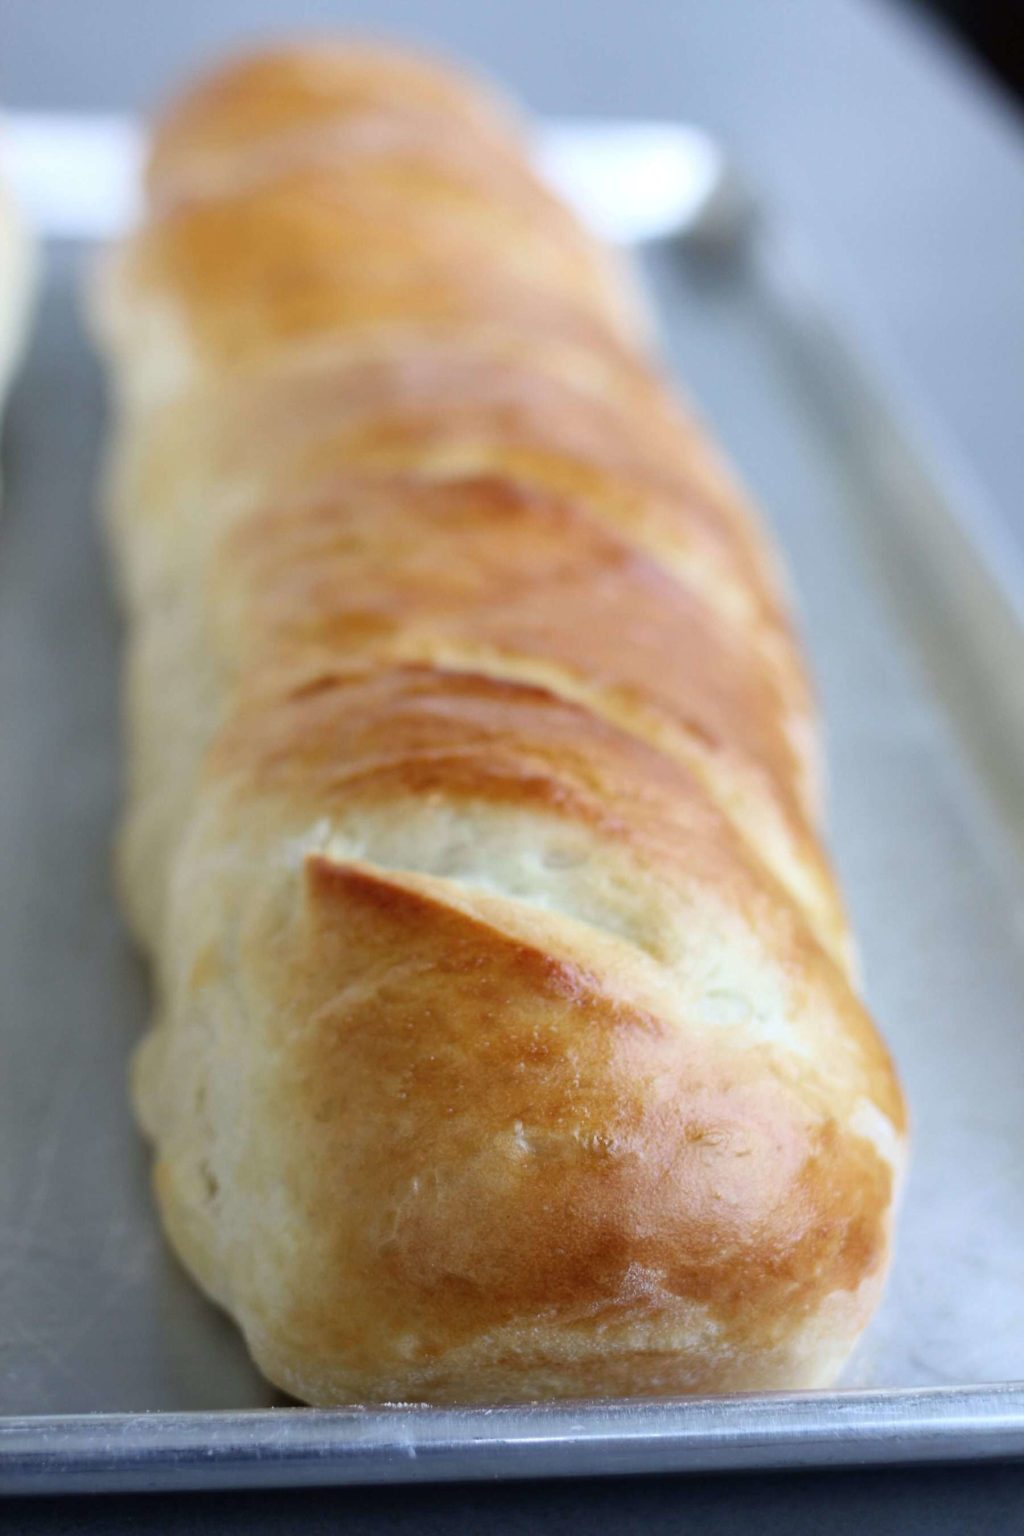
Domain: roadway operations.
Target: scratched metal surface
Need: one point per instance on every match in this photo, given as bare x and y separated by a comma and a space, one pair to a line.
921, 690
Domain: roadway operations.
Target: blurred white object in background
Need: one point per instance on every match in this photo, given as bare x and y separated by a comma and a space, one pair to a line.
76, 177
79, 177
631, 181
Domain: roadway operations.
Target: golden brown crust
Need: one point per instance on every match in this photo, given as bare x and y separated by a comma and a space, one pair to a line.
395, 567
284, 262
603, 1162
506, 1040
298, 95
483, 572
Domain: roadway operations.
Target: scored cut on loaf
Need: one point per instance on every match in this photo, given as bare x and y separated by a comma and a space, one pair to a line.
506, 1043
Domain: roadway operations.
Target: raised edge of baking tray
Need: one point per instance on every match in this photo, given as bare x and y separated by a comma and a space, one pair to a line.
105, 1453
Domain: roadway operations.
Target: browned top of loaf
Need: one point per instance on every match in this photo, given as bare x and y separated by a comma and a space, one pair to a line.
598, 428
481, 567
285, 262
633, 1156
304, 92
279, 177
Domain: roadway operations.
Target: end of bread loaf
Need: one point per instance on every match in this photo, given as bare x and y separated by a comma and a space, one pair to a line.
575, 1108
280, 102
466, 1153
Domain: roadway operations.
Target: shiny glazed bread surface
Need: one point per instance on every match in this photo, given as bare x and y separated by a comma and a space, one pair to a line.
506, 1042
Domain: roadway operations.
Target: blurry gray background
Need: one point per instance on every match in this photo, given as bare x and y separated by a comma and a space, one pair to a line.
896, 156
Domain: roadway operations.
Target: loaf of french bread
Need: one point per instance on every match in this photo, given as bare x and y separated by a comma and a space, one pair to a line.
506, 1044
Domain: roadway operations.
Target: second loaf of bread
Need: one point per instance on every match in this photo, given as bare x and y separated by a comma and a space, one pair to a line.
17, 284
506, 1044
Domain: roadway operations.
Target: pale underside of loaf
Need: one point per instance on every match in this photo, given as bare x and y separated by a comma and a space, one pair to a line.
506, 1043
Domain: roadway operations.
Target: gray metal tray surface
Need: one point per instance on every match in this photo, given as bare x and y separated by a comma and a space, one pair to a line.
116, 1373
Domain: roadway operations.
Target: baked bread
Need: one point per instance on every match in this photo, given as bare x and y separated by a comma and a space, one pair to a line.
506, 1043
16, 283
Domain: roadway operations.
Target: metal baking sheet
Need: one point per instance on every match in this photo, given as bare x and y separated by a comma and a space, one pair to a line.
114, 1371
